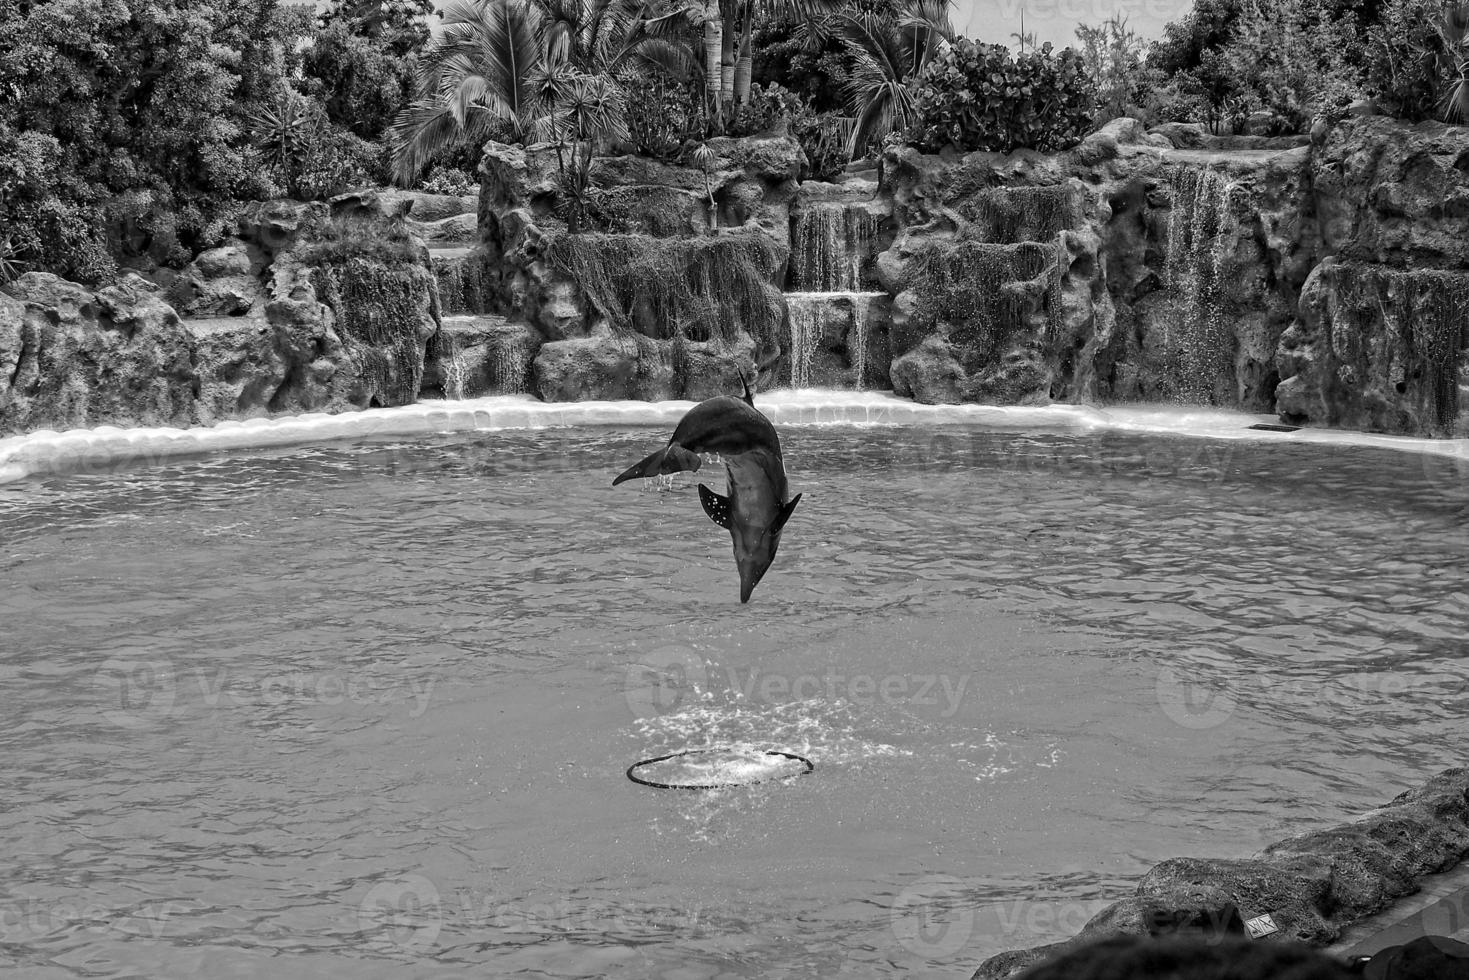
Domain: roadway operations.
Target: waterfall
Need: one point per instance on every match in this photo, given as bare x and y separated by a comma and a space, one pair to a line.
509, 364
451, 366
1005, 215
1197, 345
830, 243
808, 317
813, 315
450, 275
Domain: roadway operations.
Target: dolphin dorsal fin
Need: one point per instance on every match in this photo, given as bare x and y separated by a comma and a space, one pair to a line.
715, 505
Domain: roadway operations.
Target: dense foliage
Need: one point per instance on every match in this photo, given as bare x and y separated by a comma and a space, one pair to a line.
1304, 59
978, 96
132, 130
137, 127
1114, 57
1417, 61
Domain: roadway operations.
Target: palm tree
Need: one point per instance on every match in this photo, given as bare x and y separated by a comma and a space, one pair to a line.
500, 68
1455, 34
726, 30
889, 52
588, 111
474, 83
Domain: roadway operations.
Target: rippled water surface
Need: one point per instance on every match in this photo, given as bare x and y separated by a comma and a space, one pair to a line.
365, 710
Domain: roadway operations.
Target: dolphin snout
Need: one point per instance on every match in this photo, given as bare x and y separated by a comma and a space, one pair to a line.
750, 575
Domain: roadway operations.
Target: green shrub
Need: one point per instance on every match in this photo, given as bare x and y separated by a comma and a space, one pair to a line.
979, 96
1416, 57
822, 135
449, 180
1292, 57
1113, 56
768, 104
662, 116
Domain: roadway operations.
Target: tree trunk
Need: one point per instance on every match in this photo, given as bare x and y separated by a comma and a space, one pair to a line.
713, 45
727, 62
745, 64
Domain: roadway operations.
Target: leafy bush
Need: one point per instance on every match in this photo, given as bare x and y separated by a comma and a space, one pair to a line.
980, 96
663, 115
361, 61
767, 105
1291, 55
822, 135
449, 180
1416, 58
1114, 58
305, 155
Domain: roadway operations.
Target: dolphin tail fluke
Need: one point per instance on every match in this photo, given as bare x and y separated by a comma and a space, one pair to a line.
672, 458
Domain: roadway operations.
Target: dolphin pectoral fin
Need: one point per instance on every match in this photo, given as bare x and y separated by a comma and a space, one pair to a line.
784, 515
672, 458
715, 505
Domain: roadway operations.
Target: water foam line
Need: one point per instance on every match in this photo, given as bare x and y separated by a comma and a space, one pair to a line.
46, 451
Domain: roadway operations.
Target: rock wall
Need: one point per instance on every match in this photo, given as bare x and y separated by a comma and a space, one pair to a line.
1312, 885
320, 307
676, 294
1322, 278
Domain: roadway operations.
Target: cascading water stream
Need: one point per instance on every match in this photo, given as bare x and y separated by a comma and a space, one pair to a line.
510, 365
831, 243
451, 366
813, 315
1196, 342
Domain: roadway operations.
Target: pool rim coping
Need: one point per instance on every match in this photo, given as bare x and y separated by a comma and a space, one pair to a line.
50, 452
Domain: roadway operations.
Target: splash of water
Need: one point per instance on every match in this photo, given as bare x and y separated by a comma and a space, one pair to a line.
831, 241
1197, 347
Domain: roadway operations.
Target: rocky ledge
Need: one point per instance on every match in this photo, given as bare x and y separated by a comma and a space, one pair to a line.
1312, 885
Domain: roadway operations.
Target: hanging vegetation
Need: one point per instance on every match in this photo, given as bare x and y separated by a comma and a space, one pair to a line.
696, 288
1018, 214
1420, 312
378, 313
983, 292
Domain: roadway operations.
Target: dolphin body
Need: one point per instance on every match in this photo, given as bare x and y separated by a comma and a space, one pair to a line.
757, 508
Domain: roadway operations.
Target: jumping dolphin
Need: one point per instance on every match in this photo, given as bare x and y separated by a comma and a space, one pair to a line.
756, 510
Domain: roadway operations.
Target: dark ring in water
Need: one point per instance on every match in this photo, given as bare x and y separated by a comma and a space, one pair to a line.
631, 771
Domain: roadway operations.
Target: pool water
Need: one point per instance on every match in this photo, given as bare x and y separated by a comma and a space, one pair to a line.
366, 709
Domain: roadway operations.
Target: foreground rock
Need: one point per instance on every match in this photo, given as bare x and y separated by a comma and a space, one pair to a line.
314, 307
71, 357
1311, 885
